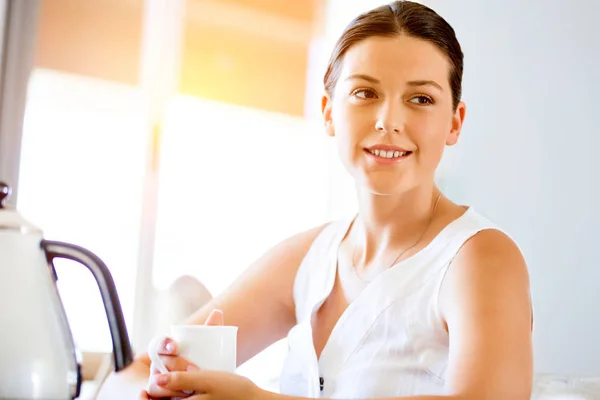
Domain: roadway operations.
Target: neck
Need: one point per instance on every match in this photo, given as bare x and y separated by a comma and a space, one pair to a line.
391, 224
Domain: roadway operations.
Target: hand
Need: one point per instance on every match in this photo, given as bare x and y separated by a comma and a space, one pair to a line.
211, 385
166, 350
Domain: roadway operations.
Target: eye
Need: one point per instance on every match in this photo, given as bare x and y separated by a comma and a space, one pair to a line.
422, 100
364, 94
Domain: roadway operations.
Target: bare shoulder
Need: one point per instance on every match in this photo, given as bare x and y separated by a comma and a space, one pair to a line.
491, 242
486, 305
494, 259
491, 264
287, 255
274, 272
300, 243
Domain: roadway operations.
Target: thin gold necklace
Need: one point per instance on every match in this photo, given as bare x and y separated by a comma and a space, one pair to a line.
403, 252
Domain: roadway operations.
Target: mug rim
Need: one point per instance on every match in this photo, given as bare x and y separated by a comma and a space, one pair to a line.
201, 327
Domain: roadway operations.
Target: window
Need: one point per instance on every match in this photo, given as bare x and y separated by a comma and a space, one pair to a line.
82, 166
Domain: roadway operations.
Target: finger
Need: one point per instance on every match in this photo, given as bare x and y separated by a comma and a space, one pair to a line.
145, 396
215, 318
172, 364
156, 392
161, 345
166, 346
157, 363
198, 381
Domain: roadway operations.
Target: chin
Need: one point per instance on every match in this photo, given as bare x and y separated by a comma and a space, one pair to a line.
384, 188
387, 185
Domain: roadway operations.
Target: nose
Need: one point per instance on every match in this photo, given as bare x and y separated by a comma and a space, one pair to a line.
389, 118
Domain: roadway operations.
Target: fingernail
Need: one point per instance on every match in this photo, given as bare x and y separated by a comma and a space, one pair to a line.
170, 347
162, 379
191, 368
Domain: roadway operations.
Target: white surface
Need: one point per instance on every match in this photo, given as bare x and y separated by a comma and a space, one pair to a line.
209, 347
88, 390
10, 219
555, 387
37, 358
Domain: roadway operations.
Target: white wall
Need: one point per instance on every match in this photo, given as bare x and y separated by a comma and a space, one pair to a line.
526, 156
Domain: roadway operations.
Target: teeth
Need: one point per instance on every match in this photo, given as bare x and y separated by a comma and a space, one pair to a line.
388, 154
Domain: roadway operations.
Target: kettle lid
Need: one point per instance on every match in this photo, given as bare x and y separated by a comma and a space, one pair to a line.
10, 219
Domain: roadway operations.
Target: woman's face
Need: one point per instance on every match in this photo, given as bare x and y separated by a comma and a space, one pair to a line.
391, 112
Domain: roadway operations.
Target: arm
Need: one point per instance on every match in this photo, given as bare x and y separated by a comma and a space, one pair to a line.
267, 318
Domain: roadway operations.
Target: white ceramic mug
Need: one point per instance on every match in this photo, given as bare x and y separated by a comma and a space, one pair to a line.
209, 347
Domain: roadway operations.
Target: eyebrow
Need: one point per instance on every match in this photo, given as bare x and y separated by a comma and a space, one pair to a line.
363, 77
410, 83
426, 83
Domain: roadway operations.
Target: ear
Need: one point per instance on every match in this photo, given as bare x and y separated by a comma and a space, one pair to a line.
326, 104
457, 122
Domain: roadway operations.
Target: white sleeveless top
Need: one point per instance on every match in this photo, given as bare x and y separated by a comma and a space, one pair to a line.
391, 340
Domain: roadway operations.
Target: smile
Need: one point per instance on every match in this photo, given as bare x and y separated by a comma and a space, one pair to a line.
389, 153
387, 156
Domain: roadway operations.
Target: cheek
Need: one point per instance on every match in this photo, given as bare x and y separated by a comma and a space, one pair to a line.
351, 129
430, 133
352, 124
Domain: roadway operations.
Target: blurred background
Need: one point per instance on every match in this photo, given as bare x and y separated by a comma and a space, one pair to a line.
182, 138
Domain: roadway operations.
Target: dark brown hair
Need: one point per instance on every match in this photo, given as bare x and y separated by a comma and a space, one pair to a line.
400, 18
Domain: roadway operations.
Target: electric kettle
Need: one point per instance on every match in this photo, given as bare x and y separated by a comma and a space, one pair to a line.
38, 358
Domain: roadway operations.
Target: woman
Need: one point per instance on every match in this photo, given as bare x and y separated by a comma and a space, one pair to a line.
414, 296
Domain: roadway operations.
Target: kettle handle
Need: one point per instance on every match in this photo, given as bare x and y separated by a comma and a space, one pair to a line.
123, 355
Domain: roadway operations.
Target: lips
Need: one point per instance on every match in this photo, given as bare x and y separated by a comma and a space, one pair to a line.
386, 147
